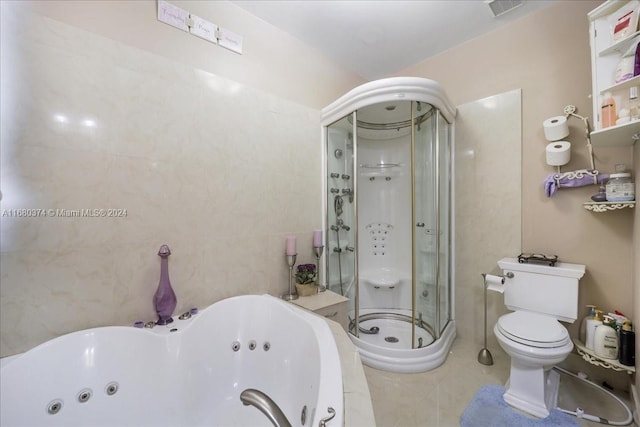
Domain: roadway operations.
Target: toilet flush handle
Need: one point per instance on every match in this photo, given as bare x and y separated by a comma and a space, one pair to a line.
508, 275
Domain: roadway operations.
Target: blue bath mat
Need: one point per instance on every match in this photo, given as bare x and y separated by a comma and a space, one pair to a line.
488, 409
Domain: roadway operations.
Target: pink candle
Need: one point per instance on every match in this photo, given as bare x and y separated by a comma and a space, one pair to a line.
291, 245
317, 238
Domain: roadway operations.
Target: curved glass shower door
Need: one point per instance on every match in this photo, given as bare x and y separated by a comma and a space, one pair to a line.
341, 211
431, 236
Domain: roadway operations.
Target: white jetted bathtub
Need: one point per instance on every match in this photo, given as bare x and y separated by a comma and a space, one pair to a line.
189, 373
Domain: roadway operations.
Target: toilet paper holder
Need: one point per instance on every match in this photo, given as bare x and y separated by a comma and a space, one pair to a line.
570, 111
485, 356
560, 179
490, 279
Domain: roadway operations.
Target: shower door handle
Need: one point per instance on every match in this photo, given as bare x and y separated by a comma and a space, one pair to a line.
420, 224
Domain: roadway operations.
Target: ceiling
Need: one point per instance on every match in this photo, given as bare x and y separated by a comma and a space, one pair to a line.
378, 38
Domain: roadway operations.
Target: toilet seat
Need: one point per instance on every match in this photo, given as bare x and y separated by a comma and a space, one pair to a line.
533, 329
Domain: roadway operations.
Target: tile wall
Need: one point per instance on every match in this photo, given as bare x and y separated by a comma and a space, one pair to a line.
488, 204
220, 172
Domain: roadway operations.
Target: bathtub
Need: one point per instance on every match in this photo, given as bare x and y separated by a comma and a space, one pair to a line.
188, 373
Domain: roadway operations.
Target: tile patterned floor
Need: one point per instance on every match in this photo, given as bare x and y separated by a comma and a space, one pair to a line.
438, 397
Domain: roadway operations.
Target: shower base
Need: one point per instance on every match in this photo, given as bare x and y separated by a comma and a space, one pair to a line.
390, 348
394, 329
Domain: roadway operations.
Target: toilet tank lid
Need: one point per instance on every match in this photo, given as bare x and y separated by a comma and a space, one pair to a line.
563, 269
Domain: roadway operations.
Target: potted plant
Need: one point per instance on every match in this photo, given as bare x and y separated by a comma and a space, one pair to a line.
306, 280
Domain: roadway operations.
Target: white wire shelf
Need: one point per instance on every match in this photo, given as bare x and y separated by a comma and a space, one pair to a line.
607, 206
591, 357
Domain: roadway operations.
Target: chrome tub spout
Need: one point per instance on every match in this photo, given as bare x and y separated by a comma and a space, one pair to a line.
267, 406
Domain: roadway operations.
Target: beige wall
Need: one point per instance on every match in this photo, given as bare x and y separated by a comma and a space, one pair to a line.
272, 60
547, 55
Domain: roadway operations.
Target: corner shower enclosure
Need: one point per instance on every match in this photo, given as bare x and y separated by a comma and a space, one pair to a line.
388, 220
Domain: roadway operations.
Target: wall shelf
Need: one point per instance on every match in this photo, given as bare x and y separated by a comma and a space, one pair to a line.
618, 135
607, 206
591, 357
605, 57
634, 81
619, 47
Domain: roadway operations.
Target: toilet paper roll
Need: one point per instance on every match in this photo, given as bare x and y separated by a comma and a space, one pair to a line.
558, 153
555, 128
494, 283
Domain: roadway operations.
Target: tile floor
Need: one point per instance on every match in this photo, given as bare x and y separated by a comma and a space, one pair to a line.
438, 397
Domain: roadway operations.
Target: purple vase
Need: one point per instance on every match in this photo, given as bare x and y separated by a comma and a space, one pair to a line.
165, 299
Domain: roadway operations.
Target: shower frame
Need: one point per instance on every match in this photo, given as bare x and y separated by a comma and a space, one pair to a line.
395, 89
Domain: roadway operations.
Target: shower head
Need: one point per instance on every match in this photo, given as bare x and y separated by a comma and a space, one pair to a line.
337, 205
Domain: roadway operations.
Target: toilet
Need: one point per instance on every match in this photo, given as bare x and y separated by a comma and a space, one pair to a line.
539, 296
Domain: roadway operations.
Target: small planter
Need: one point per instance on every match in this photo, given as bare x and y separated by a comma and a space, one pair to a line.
306, 290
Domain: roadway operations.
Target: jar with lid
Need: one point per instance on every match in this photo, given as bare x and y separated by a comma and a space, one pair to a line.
620, 188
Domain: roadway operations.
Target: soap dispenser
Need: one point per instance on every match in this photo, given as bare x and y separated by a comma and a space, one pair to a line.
591, 313
592, 324
605, 339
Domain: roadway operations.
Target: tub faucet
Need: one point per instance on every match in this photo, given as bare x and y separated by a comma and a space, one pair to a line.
267, 406
164, 299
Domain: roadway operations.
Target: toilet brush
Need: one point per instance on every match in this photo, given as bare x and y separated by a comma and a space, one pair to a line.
484, 356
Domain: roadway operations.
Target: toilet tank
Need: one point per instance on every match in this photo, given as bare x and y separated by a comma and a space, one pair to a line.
542, 288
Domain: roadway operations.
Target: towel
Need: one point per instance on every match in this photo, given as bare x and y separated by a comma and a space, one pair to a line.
488, 409
579, 178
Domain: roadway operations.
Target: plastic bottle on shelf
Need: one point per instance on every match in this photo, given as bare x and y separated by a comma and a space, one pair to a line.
608, 114
592, 324
619, 318
591, 313
605, 339
627, 345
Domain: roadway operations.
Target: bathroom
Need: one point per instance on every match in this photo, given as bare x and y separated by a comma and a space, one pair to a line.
217, 154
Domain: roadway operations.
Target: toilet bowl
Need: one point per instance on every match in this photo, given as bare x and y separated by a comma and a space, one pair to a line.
535, 343
540, 296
